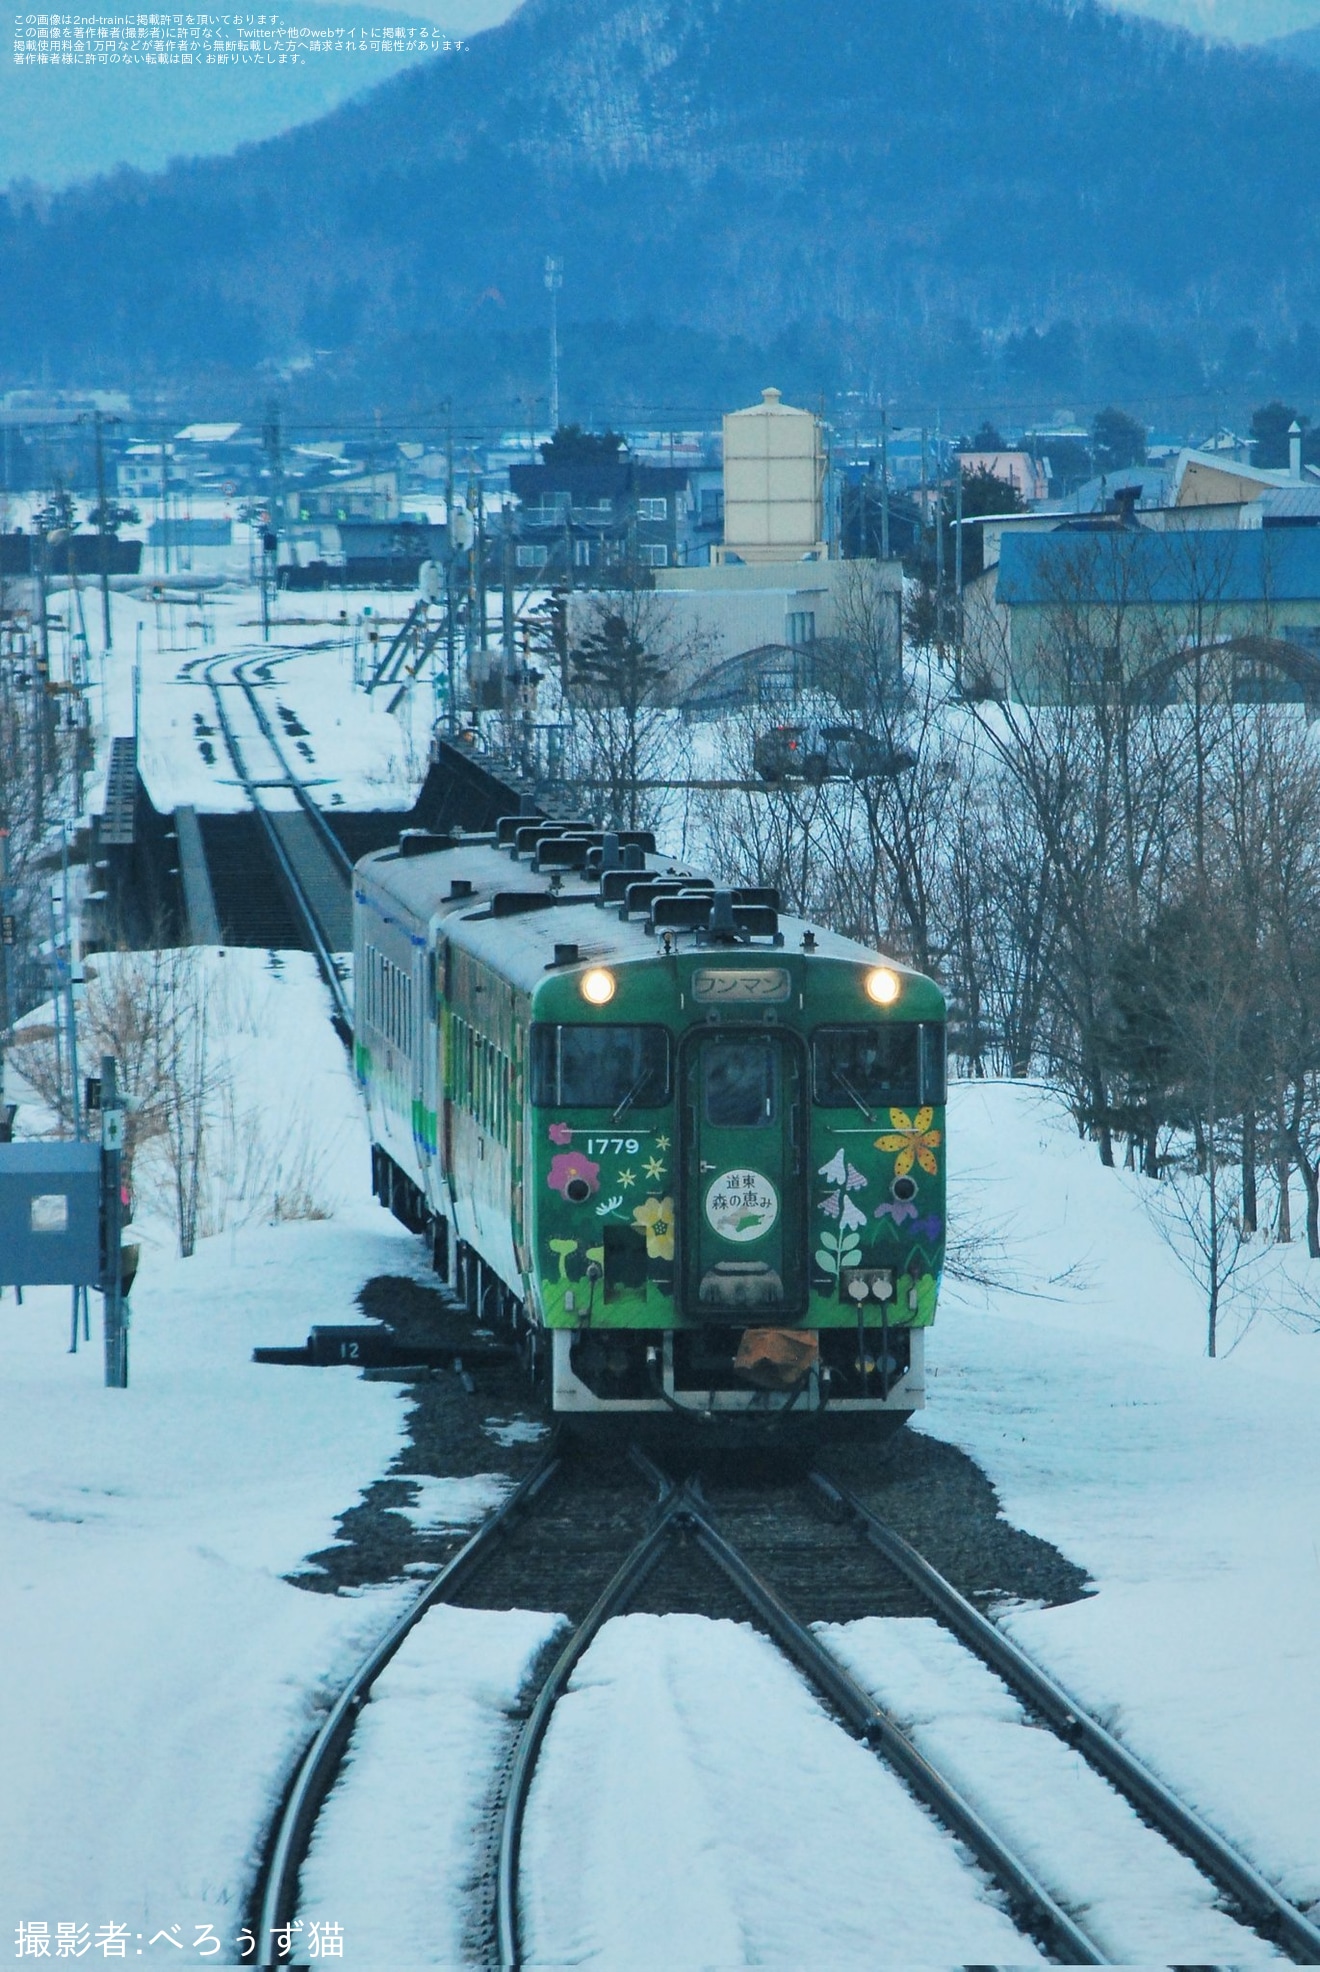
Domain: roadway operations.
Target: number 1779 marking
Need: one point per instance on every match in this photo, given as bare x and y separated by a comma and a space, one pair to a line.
621, 1146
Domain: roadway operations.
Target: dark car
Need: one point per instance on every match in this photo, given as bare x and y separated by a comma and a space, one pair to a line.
826, 753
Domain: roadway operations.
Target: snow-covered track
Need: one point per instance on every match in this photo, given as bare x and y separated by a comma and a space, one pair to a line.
613, 1599
276, 1894
338, 854
313, 867
1032, 1906
1258, 1901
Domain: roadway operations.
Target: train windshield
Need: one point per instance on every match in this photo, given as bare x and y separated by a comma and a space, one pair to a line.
613, 1068
876, 1066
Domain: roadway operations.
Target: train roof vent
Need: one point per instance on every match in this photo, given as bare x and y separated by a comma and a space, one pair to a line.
688, 911
561, 852
639, 897
516, 903
423, 842
527, 835
507, 827
718, 917
460, 887
566, 955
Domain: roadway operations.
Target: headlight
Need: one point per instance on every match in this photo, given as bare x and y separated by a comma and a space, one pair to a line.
883, 986
598, 986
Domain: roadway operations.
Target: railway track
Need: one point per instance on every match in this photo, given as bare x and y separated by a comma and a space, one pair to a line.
1260, 1905
646, 1539
1250, 1901
314, 868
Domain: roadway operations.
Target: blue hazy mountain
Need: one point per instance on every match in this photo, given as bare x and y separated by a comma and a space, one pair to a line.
1304, 46
60, 123
717, 175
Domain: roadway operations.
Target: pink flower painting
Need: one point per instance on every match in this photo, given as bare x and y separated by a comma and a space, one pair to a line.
560, 1133
574, 1175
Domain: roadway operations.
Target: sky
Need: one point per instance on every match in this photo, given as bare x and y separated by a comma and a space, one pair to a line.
1233, 20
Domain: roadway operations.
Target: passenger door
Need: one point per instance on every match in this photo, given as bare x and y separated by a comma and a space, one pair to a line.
742, 1255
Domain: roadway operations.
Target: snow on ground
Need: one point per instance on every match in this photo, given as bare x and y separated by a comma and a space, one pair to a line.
157, 1676
1188, 1488
284, 1131
440, 1505
358, 754
694, 1806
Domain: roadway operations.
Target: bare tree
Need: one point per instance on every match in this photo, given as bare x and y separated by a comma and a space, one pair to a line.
625, 739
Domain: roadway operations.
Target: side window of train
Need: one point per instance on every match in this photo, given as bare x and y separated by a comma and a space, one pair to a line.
600, 1067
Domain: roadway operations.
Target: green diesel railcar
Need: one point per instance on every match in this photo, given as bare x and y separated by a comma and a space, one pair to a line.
692, 1150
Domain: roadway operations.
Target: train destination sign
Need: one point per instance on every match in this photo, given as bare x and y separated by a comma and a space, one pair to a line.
723, 984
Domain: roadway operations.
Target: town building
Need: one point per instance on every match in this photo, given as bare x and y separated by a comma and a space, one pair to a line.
584, 519
1091, 606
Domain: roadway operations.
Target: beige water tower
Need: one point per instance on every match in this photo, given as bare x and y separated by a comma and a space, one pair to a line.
774, 481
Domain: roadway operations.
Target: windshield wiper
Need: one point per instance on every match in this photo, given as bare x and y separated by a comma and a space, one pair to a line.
631, 1096
846, 1085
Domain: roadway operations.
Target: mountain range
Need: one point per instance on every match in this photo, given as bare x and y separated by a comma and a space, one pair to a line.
733, 174
1303, 46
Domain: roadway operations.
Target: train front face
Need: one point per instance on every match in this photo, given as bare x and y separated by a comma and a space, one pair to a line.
734, 1183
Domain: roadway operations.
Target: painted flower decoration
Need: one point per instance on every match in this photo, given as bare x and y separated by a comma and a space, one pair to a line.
850, 1216
655, 1218
574, 1175
913, 1139
829, 1205
560, 1133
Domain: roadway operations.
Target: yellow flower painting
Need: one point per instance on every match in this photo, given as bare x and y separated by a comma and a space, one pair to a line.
655, 1218
913, 1139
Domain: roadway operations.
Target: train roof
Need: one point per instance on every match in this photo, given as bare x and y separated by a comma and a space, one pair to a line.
518, 916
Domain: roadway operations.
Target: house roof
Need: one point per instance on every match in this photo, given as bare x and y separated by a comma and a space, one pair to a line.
1221, 565
1291, 503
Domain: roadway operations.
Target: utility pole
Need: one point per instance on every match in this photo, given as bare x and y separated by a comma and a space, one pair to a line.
884, 480
958, 564
939, 516
43, 669
506, 595
554, 281
165, 500
451, 666
103, 529
477, 567
270, 533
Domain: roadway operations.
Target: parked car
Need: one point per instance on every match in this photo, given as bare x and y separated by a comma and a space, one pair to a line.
826, 753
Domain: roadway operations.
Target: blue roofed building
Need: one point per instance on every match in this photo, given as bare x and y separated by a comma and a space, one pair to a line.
1103, 606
